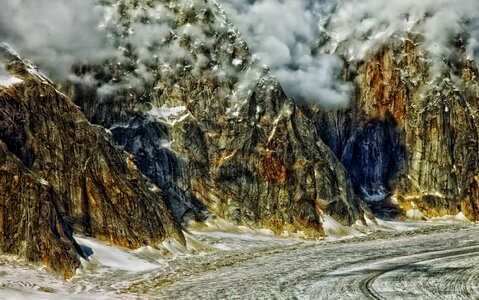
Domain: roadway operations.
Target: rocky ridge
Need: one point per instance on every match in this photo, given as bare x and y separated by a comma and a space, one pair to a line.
79, 179
418, 128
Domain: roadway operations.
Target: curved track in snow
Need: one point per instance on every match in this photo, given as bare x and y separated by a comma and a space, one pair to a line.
428, 263
435, 275
444, 274
420, 261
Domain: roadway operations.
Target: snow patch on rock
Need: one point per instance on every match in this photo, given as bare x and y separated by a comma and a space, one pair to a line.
169, 115
335, 229
7, 80
415, 214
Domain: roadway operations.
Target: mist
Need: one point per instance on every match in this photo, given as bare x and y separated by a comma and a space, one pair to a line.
298, 39
365, 24
284, 35
55, 34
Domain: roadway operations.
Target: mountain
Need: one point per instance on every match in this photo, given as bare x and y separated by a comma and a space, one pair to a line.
210, 125
183, 122
61, 174
410, 138
31, 225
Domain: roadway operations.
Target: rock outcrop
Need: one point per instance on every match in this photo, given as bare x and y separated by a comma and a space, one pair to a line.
63, 170
211, 126
30, 224
411, 135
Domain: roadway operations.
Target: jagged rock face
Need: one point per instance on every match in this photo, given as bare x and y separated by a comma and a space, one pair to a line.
30, 224
414, 136
229, 138
99, 190
149, 142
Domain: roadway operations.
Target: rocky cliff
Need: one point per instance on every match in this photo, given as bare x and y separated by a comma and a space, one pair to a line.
411, 135
210, 125
61, 171
30, 223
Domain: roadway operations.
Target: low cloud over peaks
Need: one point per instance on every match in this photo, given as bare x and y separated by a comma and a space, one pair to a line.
55, 34
286, 35
283, 35
366, 24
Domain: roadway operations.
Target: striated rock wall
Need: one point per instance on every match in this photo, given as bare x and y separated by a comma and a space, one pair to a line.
30, 224
79, 177
414, 135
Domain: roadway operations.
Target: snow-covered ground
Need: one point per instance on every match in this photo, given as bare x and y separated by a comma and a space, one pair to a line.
436, 259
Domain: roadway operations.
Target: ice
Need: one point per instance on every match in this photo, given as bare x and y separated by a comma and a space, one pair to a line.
19, 280
166, 112
8, 81
415, 214
240, 264
219, 234
376, 195
346, 269
174, 248
237, 62
165, 144
44, 182
459, 218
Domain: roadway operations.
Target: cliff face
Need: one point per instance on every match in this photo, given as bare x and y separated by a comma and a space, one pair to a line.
30, 223
413, 136
214, 128
68, 171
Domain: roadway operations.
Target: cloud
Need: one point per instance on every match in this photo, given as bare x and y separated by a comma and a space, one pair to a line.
359, 26
55, 34
283, 34
286, 35
317, 81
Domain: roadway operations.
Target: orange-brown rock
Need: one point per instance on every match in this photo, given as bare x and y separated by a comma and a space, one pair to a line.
93, 185
31, 226
272, 167
412, 135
